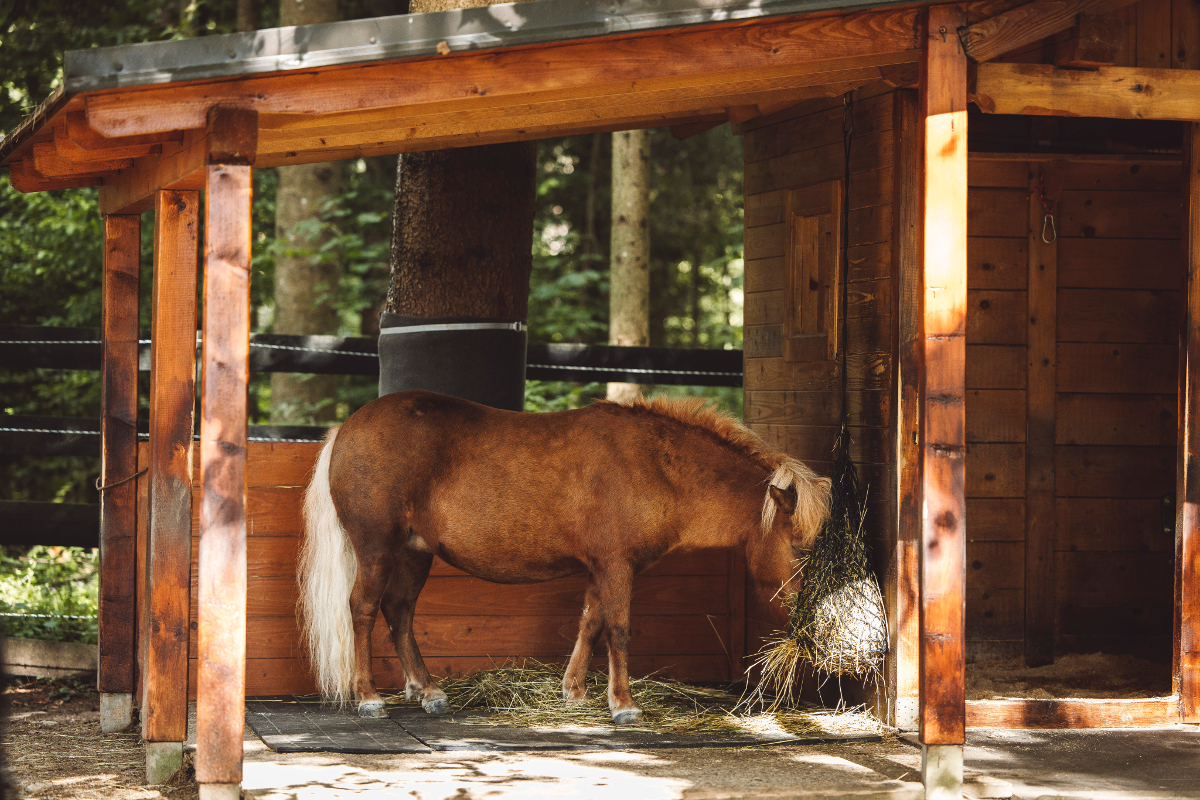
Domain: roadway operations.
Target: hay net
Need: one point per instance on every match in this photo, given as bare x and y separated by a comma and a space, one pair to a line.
836, 622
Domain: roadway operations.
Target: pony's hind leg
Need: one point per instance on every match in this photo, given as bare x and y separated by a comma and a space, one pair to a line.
399, 601
364, 607
590, 626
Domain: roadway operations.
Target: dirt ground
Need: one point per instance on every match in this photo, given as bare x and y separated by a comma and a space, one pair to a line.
53, 748
1071, 675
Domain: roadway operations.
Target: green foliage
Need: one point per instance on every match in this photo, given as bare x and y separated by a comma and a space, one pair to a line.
52, 581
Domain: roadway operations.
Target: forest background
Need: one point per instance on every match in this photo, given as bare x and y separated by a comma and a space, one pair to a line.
51, 262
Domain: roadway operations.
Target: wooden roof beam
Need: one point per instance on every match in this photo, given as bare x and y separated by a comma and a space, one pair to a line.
230, 135
48, 161
779, 48
1112, 92
1026, 24
25, 178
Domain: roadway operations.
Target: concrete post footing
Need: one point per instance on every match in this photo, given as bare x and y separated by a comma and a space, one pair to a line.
942, 771
220, 791
116, 711
162, 761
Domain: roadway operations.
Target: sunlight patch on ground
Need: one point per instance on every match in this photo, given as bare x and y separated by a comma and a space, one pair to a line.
499, 778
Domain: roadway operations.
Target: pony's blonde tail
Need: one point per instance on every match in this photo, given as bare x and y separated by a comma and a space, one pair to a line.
328, 568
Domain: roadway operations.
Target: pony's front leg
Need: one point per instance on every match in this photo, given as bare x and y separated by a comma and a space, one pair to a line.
616, 590
590, 625
399, 603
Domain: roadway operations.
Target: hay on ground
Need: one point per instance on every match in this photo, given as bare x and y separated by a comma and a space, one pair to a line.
529, 693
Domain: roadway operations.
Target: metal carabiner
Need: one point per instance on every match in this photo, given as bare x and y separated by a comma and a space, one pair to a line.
1048, 222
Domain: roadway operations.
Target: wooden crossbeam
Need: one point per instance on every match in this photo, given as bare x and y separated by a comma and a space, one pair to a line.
48, 161
1113, 92
1025, 24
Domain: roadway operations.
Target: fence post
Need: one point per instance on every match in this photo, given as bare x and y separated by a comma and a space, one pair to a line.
118, 463
169, 546
221, 673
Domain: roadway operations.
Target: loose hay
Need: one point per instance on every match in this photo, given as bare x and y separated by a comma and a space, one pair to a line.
837, 622
529, 694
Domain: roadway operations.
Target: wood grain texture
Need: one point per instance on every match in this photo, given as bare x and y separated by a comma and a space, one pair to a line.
996, 317
1024, 25
903, 582
995, 469
1185, 31
995, 519
172, 396
995, 415
1109, 524
1145, 264
995, 366
1119, 315
996, 263
1040, 422
1113, 92
1114, 471
118, 455
943, 101
1151, 713
1118, 419
1120, 215
1117, 368
1187, 548
221, 596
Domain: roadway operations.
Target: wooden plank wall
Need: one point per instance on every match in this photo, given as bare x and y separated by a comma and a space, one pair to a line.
681, 609
796, 406
1118, 306
1159, 34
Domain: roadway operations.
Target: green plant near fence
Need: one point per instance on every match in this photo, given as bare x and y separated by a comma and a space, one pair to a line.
50, 593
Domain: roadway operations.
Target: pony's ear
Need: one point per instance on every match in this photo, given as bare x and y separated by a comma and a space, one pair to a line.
785, 499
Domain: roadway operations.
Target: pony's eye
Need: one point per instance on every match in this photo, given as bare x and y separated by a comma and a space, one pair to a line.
798, 552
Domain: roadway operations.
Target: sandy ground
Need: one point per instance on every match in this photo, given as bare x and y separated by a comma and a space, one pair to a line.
1071, 675
55, 750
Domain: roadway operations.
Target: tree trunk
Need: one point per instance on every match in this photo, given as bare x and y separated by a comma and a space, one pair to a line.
306, 283
461, 251
462, 241
629, 297
248, 15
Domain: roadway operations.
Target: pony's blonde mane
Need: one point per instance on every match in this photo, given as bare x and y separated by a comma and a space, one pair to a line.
812, 491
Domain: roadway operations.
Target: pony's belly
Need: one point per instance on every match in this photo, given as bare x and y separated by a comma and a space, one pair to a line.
509, 569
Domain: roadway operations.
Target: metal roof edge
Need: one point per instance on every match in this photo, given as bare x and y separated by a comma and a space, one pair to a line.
30, 125
411, 36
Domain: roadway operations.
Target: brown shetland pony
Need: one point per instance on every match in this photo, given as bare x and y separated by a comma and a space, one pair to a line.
523, 498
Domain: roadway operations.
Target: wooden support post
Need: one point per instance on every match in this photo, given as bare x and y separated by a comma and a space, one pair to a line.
1187, 536
118, 463
221, 675
943, 551
1045, 185
905, 611
169, 549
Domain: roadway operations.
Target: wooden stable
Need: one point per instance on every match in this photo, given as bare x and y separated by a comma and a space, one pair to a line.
1013, 401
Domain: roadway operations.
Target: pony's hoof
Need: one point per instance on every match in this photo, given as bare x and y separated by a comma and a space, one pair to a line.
372, 709
579, 699
630, 716
437, 706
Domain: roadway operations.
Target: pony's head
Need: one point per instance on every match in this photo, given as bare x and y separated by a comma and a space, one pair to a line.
794, 509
